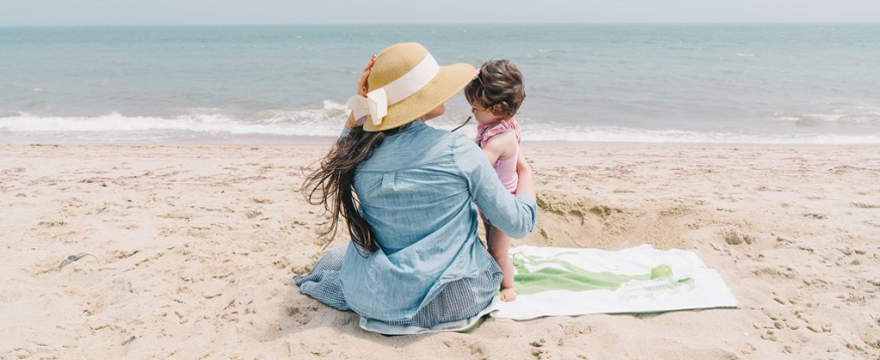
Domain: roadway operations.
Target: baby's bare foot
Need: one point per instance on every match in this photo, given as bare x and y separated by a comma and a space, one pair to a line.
508, 295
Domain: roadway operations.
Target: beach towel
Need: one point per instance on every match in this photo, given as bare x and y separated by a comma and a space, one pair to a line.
553, 281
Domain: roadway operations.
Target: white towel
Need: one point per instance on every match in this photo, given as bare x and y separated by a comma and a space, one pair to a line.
691, 285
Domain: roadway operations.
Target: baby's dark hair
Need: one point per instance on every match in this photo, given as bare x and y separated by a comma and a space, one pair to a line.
498, 87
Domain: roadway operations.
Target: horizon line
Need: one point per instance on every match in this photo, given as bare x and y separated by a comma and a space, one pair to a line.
451, 24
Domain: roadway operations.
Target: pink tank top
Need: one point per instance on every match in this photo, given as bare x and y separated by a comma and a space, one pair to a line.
506, 168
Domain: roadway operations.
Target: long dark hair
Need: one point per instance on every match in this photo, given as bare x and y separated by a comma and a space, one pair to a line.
332, 185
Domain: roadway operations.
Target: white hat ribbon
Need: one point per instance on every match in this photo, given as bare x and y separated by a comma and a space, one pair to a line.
377, 101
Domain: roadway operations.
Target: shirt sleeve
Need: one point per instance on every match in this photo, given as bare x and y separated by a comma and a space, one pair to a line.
515, 216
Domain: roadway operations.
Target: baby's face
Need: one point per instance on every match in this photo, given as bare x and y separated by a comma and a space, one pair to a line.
484, 116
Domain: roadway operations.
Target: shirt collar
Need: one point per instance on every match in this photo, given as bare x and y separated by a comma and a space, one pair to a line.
413, 126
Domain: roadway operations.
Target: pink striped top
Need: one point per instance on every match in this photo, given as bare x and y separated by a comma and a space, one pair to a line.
506, 168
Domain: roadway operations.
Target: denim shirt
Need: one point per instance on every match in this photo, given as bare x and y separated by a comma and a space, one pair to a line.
419, 192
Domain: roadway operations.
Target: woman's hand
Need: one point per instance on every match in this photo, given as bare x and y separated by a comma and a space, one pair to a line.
363, 86
526, 184
521, 164
362, 90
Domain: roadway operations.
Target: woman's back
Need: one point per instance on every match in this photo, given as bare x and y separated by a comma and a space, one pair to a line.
417, 200
415, 175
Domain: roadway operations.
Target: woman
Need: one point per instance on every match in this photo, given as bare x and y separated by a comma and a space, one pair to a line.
409, 194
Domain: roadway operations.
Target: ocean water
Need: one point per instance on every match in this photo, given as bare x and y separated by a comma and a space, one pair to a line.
618, 83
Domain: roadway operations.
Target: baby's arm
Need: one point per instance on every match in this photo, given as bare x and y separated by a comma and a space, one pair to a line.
501, 147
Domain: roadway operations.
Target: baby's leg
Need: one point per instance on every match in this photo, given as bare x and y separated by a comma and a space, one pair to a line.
499, 243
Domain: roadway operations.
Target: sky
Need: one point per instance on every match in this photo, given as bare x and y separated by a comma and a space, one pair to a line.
215, 12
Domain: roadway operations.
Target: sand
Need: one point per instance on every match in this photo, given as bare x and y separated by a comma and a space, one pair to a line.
189, 252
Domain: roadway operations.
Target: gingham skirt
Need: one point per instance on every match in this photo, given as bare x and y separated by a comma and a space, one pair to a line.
460, 300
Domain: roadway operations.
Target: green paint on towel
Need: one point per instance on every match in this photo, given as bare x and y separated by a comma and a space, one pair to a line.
572, 278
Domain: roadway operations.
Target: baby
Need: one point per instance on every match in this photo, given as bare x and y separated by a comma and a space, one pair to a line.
495, 95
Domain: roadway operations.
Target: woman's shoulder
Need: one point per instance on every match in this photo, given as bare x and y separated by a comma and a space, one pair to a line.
440, 140
444, 146
414, 148
431, 137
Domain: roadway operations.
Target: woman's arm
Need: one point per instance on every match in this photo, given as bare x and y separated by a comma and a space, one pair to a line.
351, 122
515, 216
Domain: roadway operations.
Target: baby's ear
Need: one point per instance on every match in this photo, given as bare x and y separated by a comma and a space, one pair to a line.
497, 110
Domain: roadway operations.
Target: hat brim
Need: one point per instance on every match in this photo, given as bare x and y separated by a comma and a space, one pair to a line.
448, 82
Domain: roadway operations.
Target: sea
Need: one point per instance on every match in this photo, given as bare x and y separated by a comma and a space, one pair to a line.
749, 84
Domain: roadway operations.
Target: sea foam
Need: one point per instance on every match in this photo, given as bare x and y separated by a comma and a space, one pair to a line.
328, 120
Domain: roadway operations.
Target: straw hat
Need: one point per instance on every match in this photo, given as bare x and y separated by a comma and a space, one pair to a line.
406, 83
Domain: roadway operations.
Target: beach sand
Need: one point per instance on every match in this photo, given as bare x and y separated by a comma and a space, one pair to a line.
191, 250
